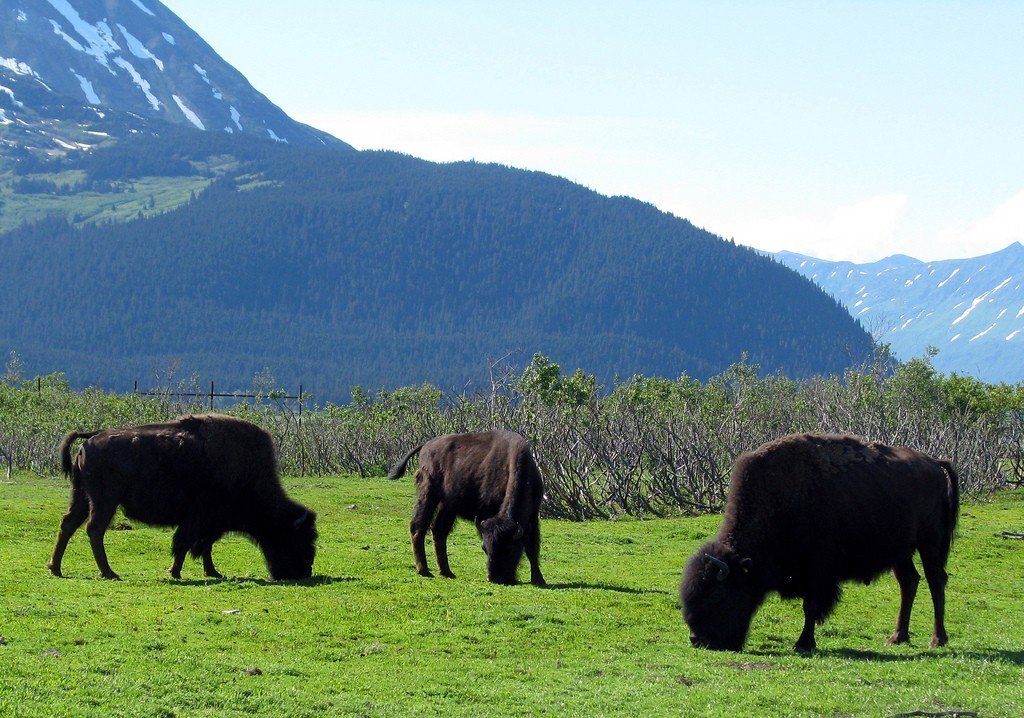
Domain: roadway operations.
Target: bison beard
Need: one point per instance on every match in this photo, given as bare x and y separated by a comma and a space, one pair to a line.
490, 478
207, 475
809, 511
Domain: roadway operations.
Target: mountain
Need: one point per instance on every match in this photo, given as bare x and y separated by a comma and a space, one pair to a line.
971, 310
133, 241
66, 65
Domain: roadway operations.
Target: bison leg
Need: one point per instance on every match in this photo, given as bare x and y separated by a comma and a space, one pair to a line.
99, 520
532, 547
184, 541
179, 547
806, 643
208, 568
908, 578
443, 524
818, 603
934, 565
421, 518
77, 513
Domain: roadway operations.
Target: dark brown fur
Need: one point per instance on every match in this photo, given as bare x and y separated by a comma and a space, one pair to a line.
490, 478
207, 475
809, 511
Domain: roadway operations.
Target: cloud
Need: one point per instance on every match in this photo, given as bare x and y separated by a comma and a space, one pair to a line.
1003, 227
870, 230
584, 148
862, 231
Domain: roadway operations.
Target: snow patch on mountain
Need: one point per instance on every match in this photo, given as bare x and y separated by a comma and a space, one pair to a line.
58, 30
138, 49
14, 100
18, 68
974, 304
954, 273
139, 80
206, 78
973, 308
192, 116
979, 335
87, 88
147, 54
273, 136
99, 37
144, 9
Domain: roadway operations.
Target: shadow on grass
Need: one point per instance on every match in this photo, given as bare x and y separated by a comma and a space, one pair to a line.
249, 580
853, 654
602, 587
1013, 657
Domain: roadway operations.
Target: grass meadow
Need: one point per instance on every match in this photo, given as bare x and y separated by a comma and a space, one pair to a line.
151, 195
366, 636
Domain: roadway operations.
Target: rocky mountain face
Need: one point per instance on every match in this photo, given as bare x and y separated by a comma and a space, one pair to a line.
75, 71
971, 310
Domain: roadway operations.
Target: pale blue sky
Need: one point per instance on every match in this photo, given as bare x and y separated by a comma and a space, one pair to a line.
846, 130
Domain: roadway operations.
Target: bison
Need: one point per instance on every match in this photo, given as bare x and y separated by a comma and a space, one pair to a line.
808, 511
489, 477
207, 475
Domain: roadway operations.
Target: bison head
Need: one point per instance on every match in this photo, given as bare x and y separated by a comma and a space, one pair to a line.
501, 538
290, 550
719, 595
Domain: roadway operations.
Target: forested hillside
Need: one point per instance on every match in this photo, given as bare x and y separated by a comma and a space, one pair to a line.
337, 268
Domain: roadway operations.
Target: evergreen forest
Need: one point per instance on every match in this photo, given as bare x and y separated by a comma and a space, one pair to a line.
336, 268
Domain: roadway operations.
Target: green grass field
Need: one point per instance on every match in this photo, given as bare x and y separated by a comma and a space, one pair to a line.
147, 196
368, 637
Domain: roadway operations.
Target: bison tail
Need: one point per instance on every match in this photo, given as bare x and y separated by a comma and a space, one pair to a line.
399, 468
952, 495
65, 448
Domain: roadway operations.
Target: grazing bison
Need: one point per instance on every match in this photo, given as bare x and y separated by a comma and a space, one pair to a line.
489, 477
207, 475
808, 511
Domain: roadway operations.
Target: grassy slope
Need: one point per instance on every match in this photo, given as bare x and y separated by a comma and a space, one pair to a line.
164, 193
368, 637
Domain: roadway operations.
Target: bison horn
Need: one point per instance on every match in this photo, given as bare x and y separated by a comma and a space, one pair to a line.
723, 567
519, 532
301, 520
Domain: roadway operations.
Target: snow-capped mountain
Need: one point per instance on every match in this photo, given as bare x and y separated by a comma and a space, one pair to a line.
971, 310
73, 70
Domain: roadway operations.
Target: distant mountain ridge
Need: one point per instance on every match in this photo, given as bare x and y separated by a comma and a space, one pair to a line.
68, 63
971, 310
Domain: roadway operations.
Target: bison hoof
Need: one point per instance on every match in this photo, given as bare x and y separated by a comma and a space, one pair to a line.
939, 640
425, 572
110, 576
174, 574
896, 638
55, 571
805, 648
539, 581
448, 574
214, 574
